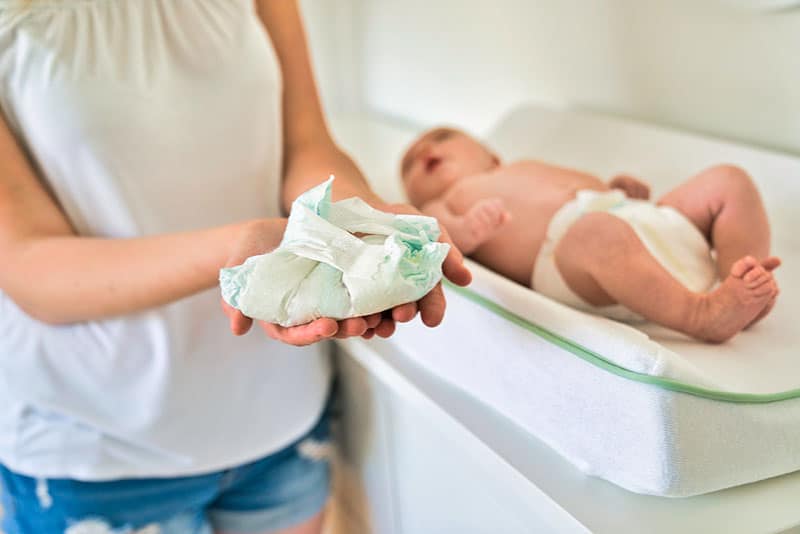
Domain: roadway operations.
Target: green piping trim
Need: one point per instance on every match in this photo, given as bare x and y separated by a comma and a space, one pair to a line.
603, 363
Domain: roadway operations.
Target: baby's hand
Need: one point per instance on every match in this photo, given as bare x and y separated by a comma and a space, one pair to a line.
481, 222
632, 187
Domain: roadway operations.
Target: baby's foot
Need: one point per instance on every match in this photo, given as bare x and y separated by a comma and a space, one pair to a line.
770, 264
741, 297
482, 221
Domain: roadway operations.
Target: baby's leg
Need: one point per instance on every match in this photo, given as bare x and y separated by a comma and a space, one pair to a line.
602, 259
725, 205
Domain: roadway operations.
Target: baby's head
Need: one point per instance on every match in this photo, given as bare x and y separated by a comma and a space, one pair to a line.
438, 158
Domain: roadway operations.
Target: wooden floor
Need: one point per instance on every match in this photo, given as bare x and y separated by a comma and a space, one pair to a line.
347, 511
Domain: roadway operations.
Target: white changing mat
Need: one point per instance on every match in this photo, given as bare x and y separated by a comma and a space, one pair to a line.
645, 437
763, 360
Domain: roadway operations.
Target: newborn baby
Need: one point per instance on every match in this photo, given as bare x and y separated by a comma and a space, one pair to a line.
603, 247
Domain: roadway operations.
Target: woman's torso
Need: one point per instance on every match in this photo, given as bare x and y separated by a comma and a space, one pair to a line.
146, 117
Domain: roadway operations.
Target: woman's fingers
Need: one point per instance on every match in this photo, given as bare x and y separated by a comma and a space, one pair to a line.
453, 267
355, 326
378, 324
369, 334
373, 320
239, 324
432, 306
305, 334
405, 312
385, 328
325, 328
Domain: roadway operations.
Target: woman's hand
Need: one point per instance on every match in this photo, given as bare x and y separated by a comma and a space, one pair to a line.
632, 187
254, 238
432, 306
260, 237
310, 155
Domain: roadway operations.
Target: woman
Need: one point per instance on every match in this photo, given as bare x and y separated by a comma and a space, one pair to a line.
145, 144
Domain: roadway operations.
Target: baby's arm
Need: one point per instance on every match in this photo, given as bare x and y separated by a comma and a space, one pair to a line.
475, 227
632, 187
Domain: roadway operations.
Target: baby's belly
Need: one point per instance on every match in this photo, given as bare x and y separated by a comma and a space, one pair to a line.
515, 247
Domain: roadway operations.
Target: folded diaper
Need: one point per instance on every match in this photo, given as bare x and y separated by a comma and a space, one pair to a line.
321, 269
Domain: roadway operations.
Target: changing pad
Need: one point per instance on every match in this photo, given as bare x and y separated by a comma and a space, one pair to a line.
648, 409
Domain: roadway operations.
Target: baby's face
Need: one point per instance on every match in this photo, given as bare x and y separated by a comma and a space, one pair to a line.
439, 158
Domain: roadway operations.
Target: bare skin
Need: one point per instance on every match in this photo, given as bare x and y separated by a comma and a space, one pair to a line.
101, 278
82, 278
453, 177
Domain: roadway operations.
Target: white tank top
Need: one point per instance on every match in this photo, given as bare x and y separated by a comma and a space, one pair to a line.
145, 117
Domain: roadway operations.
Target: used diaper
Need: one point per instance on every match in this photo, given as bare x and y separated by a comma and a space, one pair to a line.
321, 269
666, 233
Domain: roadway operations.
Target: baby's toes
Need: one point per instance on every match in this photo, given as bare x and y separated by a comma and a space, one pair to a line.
759, 284
767, 290
774, 289
756, 277
771, 263
763, 292
743, 266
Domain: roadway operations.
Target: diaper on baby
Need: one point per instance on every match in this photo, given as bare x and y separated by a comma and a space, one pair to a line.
321, 269
666, 233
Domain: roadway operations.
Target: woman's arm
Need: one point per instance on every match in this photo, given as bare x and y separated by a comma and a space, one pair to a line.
310, 155
59, 277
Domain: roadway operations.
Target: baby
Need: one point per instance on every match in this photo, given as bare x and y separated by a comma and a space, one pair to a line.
603, 247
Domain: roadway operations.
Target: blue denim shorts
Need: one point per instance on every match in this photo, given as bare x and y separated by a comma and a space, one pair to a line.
278, 491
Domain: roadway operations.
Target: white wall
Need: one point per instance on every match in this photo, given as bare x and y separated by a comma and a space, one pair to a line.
334, 35
704, 65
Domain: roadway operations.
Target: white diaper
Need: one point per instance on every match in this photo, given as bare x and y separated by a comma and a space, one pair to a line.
666, 233
322, 269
